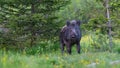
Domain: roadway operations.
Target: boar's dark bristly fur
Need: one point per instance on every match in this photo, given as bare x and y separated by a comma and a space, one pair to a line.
69, 35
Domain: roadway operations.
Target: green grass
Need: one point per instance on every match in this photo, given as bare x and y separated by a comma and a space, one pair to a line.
32, 58
56, 60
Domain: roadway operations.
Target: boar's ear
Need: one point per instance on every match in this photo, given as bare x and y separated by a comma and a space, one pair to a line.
78, 22
68, 23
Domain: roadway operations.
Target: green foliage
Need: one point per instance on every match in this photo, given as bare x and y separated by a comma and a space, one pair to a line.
116, 47
100, 42
30, 20
98, 25
79, 10
43, 47
7, 41
95, 42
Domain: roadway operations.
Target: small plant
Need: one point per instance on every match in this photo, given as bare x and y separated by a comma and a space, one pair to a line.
43, 47
100, 42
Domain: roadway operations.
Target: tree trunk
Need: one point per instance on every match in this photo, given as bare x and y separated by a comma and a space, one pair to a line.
33, 36
109, 23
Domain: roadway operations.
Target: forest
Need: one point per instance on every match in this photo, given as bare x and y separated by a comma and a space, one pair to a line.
30, 29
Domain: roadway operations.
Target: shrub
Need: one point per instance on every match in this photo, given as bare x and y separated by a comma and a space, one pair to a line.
43, 47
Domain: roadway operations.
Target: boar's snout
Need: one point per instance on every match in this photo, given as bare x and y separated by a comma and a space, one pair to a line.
73, 33
73, 36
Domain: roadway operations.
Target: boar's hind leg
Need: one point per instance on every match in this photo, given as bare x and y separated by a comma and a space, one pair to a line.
62, 47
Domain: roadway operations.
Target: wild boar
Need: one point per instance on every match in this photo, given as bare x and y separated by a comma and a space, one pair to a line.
70, 34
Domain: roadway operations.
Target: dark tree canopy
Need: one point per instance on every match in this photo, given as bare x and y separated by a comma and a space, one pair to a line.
29, 19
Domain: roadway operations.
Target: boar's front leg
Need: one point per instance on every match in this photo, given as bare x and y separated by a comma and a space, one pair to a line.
78, 47
68, 48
